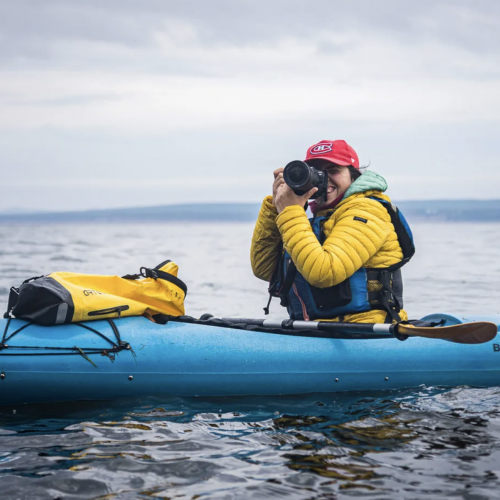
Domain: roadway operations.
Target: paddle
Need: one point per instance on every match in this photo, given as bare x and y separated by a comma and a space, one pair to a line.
478, 332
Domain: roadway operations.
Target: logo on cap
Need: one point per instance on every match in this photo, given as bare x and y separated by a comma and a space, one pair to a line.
319, 149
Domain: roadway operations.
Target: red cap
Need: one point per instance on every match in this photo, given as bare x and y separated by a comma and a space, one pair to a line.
338, 152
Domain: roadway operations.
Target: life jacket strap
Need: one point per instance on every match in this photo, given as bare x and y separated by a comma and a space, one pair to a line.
385, 298
276, 278
291, 273
275, 290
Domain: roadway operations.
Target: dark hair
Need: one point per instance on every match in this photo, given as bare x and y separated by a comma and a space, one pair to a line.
355, 173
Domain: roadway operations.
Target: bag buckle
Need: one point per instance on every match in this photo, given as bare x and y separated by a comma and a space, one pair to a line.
148, 273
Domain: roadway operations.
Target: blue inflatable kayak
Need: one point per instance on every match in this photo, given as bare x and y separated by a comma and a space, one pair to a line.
140, 358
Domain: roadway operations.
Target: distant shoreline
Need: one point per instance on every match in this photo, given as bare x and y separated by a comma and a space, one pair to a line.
429, 210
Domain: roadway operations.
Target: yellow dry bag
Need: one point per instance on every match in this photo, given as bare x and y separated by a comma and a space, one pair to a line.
61, 297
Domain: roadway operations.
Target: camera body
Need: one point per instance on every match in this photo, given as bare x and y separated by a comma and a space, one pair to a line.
301, 177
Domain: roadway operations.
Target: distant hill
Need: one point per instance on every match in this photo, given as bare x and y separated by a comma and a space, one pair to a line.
434, 210
452, 210
176, 213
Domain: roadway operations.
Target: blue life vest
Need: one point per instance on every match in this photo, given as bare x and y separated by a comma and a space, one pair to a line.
366, 289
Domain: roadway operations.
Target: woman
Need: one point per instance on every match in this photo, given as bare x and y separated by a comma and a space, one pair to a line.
345, 263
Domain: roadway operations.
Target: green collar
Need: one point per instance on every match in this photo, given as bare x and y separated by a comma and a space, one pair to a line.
367, 182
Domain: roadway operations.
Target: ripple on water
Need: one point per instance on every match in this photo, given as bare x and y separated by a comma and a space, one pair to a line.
399, 444
66, 258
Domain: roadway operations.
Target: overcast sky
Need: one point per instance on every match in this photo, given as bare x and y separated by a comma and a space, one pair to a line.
109, 103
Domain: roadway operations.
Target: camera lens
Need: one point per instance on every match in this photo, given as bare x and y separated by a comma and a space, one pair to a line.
297, 174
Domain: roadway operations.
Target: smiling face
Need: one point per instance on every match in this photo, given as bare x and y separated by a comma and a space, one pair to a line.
339, 178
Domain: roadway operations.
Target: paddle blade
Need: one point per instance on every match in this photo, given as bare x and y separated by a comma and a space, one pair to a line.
478, 332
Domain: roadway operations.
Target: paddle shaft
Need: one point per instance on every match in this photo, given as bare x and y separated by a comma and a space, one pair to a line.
382, 329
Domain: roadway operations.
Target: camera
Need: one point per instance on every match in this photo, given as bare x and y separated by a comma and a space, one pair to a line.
301, 177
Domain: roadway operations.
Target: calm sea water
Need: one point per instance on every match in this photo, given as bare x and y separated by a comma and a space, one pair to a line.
425, 443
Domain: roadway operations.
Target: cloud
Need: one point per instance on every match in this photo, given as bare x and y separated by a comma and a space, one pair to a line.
31, 28
109, 89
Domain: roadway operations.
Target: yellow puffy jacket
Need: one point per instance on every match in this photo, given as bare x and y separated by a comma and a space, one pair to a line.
348, 245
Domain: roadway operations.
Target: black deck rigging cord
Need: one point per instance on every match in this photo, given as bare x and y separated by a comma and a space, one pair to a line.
110, 352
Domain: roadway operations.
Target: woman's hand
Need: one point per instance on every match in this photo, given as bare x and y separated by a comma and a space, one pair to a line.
278, 179
284, 196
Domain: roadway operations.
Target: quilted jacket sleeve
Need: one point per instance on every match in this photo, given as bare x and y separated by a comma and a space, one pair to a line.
265, 241
350, 244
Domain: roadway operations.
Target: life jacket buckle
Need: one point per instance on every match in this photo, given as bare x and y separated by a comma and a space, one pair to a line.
388, 299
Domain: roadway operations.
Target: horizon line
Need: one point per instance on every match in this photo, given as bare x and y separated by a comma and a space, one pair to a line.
27, 212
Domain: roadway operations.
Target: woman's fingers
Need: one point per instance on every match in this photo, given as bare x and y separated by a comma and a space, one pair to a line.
279, 179
310, 193
307, 196
278, 182
278, 171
